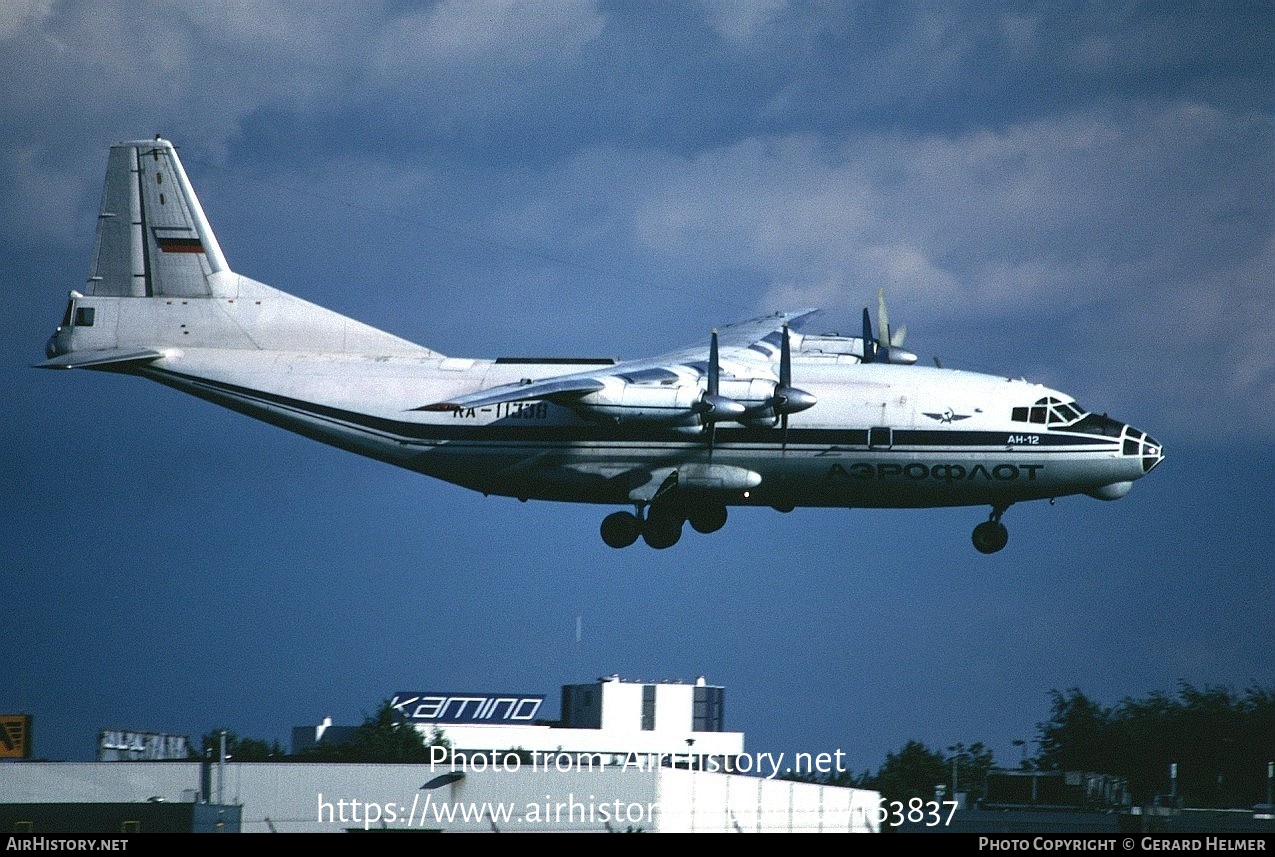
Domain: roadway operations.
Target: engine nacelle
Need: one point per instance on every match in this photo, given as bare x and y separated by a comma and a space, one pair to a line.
652, 404
852, 346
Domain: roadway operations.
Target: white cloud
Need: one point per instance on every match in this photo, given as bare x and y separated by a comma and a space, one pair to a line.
1107, 249
16, 15
490, 41
741, 22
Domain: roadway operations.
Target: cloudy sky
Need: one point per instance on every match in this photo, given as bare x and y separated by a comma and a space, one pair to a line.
1079, 194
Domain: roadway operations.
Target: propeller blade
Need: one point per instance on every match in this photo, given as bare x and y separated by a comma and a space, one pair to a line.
714, 370
886, 335
785, 380
869, 342
883, 320
785, 360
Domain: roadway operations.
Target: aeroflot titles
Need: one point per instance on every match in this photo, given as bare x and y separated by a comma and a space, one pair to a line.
466, 709
947, 472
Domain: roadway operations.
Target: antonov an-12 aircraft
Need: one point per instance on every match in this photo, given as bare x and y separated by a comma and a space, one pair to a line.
756, 415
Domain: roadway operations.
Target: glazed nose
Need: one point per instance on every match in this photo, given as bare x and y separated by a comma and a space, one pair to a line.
1144, 445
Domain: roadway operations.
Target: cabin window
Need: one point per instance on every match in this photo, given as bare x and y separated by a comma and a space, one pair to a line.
84, 316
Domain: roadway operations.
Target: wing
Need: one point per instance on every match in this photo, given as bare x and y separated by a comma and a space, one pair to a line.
665, 389
756, 340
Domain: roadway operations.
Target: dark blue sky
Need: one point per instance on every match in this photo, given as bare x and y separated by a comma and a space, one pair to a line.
1079, 195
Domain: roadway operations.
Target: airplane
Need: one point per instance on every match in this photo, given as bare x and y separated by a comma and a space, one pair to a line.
761, 415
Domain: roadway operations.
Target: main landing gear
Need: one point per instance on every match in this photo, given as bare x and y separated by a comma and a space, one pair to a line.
991, 535
662, 525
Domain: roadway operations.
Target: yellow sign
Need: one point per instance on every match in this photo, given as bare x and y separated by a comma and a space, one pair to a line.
15, 736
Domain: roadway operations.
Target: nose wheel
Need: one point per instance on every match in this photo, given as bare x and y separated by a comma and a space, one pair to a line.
991, 535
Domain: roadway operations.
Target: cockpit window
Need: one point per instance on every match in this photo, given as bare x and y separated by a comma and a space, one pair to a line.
1048, 412
1099, 424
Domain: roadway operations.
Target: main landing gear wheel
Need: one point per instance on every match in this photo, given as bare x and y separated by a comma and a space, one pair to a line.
991, 535
662, 529
621, 529
707, 519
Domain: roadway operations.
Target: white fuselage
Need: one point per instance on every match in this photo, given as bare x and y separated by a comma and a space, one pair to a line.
881, 436
766, 417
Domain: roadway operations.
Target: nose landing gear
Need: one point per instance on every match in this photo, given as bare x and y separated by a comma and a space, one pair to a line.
991, 535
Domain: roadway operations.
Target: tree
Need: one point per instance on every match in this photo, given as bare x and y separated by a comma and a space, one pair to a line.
1220, 742
1077, 736
913, 771
382, 738
972, 766
239, 749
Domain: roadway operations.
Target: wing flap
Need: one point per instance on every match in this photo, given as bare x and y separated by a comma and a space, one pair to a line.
551, 388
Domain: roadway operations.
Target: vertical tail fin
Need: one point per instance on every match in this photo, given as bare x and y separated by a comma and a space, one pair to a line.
152, 236
159, 281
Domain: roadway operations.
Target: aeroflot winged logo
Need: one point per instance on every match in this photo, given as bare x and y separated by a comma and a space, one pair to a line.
948, 416
467, 707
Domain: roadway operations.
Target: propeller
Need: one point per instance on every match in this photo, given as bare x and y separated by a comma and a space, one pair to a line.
787, 399
712, 406
895, 340
884, 348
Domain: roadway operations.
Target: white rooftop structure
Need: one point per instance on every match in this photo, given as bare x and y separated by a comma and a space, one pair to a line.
608, 720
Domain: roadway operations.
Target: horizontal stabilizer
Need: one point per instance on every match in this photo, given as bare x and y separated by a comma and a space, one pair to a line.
115, 358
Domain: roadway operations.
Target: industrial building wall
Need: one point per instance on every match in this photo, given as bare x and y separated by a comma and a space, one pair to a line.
301, 797
699, 802
98, 782
332, 797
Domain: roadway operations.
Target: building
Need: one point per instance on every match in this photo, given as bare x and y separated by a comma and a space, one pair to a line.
623, 756
300, 797
610, 719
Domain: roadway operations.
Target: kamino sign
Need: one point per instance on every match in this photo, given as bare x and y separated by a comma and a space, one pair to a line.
466, 707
